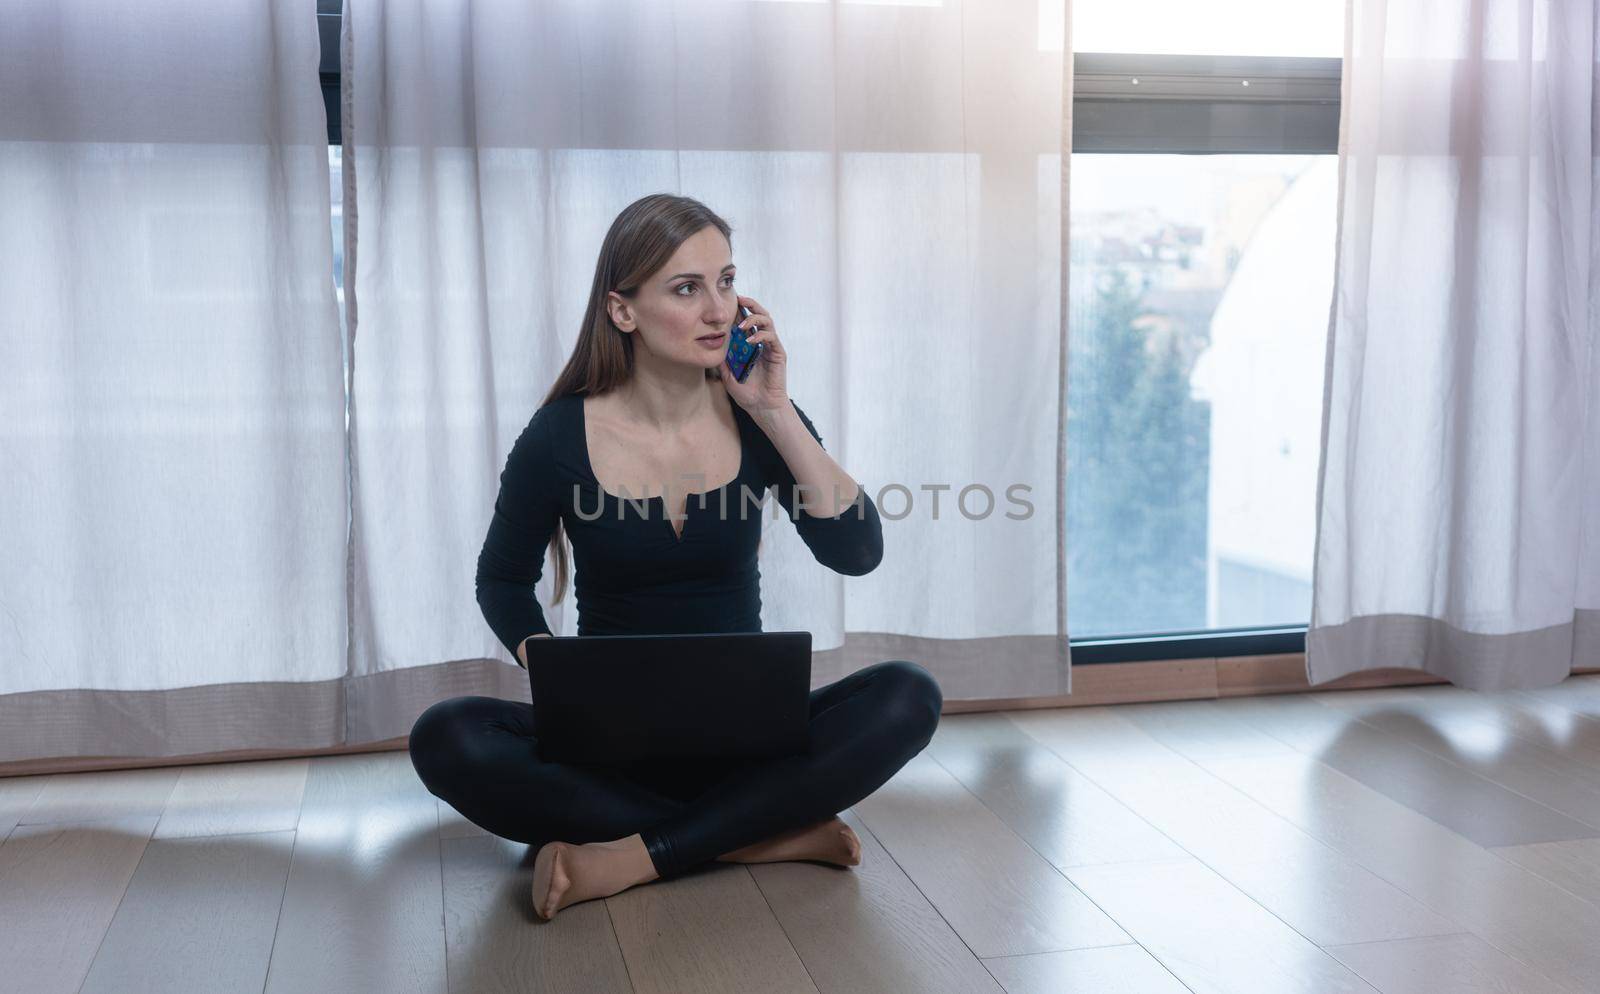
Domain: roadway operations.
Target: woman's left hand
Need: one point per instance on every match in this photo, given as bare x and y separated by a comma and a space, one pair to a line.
765, 388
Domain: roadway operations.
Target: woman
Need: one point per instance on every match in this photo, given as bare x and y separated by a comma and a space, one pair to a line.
642, 404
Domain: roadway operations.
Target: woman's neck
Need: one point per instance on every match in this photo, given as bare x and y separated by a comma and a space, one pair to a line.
666, 403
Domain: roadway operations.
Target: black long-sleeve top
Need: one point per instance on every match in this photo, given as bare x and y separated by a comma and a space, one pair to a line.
633, 574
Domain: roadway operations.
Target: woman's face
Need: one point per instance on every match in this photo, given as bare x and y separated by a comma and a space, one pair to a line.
692, 295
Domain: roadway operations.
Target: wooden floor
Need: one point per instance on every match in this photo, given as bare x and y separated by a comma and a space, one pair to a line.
1423, 840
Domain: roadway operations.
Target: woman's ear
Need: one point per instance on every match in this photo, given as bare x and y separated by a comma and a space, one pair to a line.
617, 313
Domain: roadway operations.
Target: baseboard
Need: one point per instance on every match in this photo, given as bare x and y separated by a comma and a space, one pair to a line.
1200, 679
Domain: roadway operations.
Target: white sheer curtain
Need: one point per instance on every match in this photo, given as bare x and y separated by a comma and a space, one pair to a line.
172, 446
894, 175
1459, 502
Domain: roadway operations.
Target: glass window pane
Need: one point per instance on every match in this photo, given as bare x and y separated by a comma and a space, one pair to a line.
1200, 288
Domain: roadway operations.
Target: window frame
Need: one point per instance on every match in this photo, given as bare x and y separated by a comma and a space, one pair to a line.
1200, 104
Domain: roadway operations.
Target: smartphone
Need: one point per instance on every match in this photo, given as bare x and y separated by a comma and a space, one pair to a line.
741, 354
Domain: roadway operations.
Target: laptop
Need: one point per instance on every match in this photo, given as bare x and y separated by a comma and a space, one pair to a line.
616, 700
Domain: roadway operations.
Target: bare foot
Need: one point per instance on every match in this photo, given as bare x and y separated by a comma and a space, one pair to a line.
564, 873
830, 841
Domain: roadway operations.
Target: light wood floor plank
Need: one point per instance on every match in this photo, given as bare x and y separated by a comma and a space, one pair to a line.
497, 944
1460, 964
1485, 747
1578, 694
867, 928
1057, 810
1209, 934
1325, 896
1128, 969
1512, 909
999, 895
198, 916
1531, 719
59, 889
235, 799
17, 795
1452, 795
102, 794
1198, 731
708, 931
364, 906
1573, 866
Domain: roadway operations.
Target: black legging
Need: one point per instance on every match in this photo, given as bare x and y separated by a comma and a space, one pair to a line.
479, 754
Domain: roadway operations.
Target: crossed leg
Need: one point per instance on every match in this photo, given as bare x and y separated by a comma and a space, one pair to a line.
600, 831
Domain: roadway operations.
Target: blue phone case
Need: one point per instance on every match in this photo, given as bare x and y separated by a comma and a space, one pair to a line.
741, 354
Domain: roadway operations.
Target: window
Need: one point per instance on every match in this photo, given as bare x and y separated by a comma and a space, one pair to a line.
1204, 180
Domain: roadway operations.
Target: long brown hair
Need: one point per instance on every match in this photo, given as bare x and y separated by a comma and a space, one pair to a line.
641, 240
